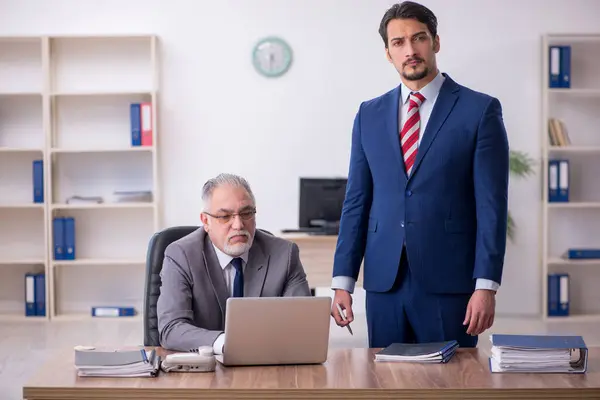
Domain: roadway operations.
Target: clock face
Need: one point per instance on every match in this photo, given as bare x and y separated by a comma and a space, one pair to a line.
272, 57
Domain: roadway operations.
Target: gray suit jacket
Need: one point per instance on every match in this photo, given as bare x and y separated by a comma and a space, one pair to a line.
191, 306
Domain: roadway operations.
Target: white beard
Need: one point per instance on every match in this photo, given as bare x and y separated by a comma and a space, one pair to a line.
237, 249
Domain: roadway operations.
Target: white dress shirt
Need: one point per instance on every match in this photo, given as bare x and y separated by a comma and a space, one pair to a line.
430, 92
229, 275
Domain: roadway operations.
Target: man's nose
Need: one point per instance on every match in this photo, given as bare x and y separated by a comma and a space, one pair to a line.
237, 221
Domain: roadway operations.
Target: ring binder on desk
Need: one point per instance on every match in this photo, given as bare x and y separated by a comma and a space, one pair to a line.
539, 354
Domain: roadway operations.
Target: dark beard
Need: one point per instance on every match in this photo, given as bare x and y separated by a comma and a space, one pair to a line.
415, 75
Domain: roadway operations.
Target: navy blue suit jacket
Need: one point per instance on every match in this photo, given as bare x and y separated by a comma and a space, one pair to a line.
451, 211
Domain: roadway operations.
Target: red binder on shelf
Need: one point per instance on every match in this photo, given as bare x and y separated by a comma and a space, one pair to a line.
146, 123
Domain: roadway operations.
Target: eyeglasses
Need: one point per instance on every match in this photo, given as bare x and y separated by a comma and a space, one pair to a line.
244, 215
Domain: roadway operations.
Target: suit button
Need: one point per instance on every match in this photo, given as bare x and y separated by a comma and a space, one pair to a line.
402, 224
408, 193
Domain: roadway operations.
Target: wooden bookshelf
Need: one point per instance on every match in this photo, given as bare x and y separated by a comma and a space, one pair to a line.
66, 100
575, 223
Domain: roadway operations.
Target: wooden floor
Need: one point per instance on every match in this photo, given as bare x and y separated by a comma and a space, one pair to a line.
25, 345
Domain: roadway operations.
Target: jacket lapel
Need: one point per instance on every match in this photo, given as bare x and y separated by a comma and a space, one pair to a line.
256, 269
443, 105
393, 131
215, 274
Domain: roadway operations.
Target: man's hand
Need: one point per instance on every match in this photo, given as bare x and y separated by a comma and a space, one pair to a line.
480, 311
343, 298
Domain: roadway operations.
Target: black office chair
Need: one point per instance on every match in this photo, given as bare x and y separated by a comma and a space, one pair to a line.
154, 261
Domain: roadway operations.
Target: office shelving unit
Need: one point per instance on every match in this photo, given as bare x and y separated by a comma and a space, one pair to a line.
576, 223
65, 100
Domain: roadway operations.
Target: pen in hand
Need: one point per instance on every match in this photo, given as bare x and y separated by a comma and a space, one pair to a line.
344, 317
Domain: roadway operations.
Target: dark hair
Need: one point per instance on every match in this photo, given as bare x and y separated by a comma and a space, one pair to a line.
408, 10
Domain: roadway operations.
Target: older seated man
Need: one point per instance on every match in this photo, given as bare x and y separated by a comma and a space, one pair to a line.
226, 257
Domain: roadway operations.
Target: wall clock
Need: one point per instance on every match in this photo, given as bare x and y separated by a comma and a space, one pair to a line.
272, 57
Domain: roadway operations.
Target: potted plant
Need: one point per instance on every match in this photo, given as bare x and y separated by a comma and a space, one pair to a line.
520, 165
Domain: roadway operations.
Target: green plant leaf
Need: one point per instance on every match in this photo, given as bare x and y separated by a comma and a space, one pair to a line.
520, 165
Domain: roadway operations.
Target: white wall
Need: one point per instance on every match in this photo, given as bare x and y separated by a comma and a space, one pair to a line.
217, 114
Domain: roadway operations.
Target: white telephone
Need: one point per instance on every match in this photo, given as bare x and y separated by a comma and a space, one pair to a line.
202, 361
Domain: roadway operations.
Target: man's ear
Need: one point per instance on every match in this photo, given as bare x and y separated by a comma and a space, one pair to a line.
204, 220
436, 44
387, 54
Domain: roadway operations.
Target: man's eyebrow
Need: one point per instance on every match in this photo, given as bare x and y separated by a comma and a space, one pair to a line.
225, 210
414, 35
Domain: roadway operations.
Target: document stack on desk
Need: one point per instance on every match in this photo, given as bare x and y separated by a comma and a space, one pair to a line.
538, 353
437, 352
124, 364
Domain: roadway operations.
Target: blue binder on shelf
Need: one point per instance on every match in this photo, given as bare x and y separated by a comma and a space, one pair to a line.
69, 238
63, 235
552, 180
58, 237
30, 305
40, 295
38, 181
563, 180
563, 354
35, 294
136, 124
558, 181
559, 65
565, 66
109, 311
558, 295
583, 254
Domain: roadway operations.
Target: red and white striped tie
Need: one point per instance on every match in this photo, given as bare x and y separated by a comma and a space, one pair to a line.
409, 134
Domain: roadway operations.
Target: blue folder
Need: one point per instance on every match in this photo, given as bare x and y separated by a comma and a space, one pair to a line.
533, 345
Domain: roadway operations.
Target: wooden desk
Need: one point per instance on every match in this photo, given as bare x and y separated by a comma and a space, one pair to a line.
347, 374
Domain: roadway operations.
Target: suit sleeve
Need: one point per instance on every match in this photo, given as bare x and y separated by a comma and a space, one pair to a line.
490, 173
296, 284
174, 306
351, 242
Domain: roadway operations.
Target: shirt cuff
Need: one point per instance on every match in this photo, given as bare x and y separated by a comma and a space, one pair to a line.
482, 283
343, 282
218, 344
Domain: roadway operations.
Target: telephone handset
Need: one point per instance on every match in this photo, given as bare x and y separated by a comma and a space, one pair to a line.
202, 361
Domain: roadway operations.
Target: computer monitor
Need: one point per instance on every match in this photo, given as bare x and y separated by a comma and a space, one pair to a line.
321, 201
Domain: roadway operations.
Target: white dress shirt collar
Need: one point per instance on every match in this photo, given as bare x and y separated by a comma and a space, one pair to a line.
225, 259
429, 91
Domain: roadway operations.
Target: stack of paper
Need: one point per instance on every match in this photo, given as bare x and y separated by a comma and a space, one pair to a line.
436, 352
538, 353
133, 363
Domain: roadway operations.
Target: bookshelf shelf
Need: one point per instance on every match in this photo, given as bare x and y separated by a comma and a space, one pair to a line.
63, 108
20, 150
101, 206
23, 261
101, 94
19, 317
77, 317
148, 149
100, 261
583, 204
574, 149
575, 318
571, 177
20, 206
565, 261
575, 92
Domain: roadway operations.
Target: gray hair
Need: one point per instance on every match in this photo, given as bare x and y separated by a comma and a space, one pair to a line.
225, 179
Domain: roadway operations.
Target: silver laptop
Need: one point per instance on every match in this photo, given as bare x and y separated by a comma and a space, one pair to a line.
276, 330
